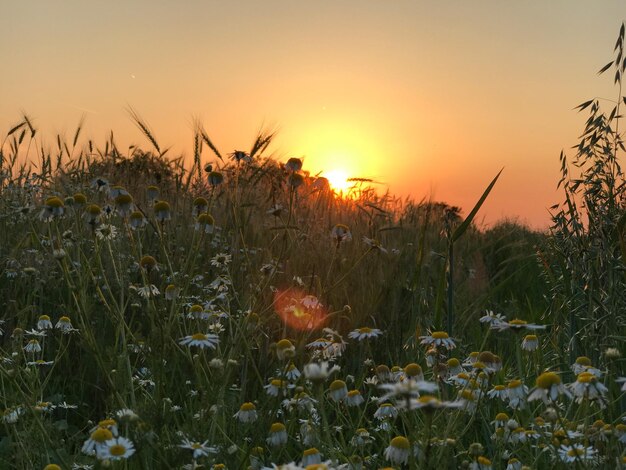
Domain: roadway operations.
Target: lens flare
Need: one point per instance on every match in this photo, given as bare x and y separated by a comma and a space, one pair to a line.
299, 310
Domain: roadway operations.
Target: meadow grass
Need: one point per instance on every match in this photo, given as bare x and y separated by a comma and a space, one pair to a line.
239, 314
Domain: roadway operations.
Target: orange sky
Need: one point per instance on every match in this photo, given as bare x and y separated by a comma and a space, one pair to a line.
428, 98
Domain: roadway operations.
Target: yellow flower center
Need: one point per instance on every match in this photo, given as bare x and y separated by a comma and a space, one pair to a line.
453, 362
277, 427
101, 435
499, 388
44, 318
117, 450
64, 319
514, 383
247, 407
365, 330
80, 198
575, 452
547, 380
123, 199
413, 369
427, 399
337, 385
502, 417
586, 377
162, 206
583, 361
93, 209
400, 442
353, 393
198, 337
440, 335
284, 344
205, 219
54, 202
311, 451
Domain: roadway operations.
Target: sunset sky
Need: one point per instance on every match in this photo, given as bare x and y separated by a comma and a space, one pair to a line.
430, 99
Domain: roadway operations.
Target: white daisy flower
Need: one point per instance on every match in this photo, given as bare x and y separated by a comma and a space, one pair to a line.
118, 448
437, 339
364, 333
199, 449
201, 340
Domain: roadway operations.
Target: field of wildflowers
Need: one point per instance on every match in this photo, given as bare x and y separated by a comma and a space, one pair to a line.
239, 314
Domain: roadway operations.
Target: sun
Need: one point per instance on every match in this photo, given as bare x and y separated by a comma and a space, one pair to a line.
338, 180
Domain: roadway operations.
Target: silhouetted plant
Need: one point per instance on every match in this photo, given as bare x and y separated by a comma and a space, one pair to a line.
587, 272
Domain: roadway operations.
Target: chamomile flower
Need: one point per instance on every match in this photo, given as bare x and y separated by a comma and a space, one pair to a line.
319, 371
106, 232
126, 413
53, 207
577, 453
406, 389
32, 346
530, 343
354, 398
491, 318
247, 413
162, 211
398, 451
152, 193
337, 390
499, 392
438, 339
285, 350
341, 233
137, 220
277, 435
199, 206
97, 439
361, 438
427, 403
481, 463
516, 325
386, 411
44, 323
64, 324
548, 388
364, 333
311, 456
221, 260
39, 363
276, 387
517, 394
118, 448
124, 205
588, 387
199, 449
147, 291
201, 340
205, 223
454, 366
583, 364
292, 373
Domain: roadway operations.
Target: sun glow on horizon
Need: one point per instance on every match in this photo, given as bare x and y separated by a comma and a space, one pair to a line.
338, 180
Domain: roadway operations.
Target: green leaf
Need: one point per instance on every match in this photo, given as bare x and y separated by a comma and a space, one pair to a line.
460, 230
